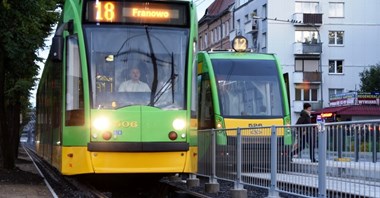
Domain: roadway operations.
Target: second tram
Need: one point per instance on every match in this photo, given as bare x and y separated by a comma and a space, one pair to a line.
241, 89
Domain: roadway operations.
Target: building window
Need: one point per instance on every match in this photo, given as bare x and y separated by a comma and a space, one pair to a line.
212, 37
206, 43
254, 14
227, 27
306, 92
264, 41
215, 35
336, 37
333, 92
307, 7
218, 33
200, 42
336, 9
231, 24
336, 66
305, 65
264, 11
306, 37
223, 30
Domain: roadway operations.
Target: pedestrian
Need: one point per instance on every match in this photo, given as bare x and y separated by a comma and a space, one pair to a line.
306, 135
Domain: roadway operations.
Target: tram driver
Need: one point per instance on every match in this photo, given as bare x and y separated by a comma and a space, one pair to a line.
134, 84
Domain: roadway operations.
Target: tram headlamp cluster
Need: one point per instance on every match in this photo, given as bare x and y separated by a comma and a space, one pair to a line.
101, 123
179, 124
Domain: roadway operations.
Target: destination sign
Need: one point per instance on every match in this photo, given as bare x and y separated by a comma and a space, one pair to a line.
137, 12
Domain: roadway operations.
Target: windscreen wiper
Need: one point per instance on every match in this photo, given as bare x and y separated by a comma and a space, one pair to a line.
155, 72
168, 84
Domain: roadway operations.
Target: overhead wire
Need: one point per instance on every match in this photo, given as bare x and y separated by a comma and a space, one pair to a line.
199, 2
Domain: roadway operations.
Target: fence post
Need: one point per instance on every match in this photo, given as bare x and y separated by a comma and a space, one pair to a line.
238, 191
340, 141
357, 141
273, 166
213, 156
322, 160
374, 145
238, 184
213, 185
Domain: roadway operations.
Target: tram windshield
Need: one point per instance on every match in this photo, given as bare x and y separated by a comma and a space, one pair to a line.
248, 88
134, 65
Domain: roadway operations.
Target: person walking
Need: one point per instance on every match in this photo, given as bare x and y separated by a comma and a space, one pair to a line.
305, 134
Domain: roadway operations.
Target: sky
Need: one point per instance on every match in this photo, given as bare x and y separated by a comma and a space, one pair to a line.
201, 8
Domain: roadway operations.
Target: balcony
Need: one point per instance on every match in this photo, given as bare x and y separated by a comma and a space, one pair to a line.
307, 77
313, 77
308, 19
251, 27
307, 48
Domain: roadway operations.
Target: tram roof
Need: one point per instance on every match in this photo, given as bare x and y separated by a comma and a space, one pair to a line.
231, 54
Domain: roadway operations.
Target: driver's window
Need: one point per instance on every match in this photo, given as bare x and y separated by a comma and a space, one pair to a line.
134, 78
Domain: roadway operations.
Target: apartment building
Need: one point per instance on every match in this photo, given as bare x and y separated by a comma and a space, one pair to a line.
322, 45
215, 26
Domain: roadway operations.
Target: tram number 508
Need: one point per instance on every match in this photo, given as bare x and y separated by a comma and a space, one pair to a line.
105, 12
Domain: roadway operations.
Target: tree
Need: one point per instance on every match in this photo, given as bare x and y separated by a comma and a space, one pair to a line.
369, 78
24, 25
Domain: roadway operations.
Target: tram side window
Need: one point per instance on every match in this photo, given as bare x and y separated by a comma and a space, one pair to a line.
194, 93
206, 109
74, 85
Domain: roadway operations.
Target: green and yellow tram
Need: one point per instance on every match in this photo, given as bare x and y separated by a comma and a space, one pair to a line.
242, 89
117, 94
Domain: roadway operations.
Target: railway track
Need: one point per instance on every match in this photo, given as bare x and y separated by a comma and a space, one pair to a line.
109, 185
143, 185
61, 185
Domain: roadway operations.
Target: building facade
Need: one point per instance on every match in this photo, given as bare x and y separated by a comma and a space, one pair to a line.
322, 45
215, 26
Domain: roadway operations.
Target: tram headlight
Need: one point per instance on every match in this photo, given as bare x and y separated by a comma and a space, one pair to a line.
101, 123
179, 124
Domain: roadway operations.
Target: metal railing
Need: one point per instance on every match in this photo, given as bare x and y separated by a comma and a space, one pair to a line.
346, 158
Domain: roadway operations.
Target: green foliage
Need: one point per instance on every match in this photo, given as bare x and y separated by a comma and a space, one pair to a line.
369, 78
24, 25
